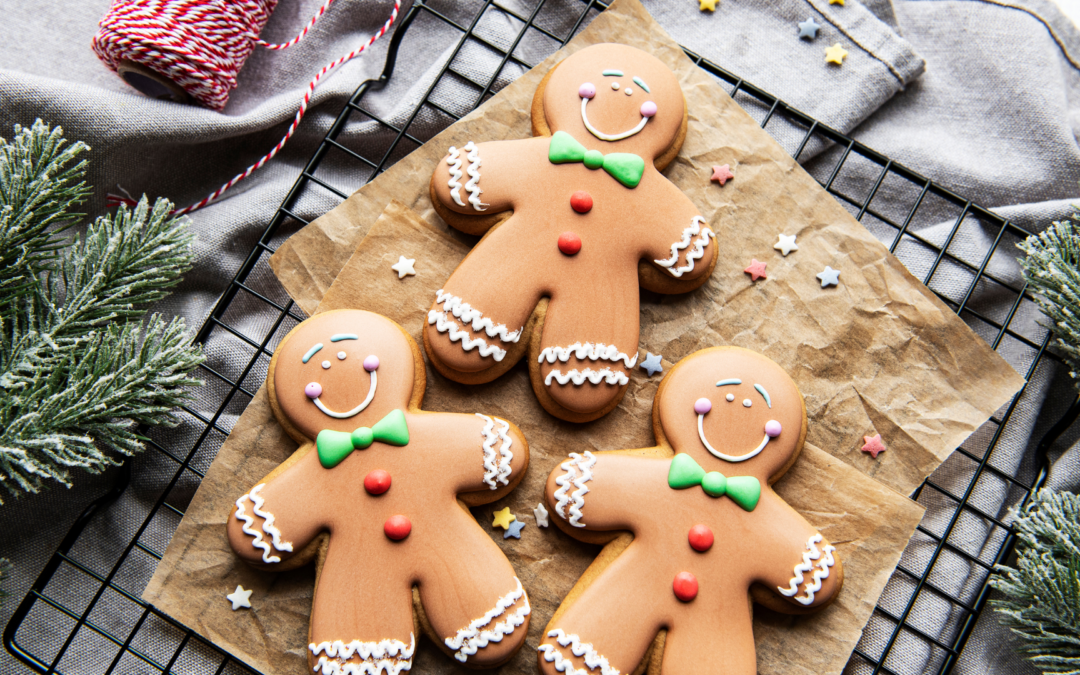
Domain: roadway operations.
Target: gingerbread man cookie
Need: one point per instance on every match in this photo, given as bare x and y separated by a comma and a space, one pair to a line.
377, 492
592, 218
708, 530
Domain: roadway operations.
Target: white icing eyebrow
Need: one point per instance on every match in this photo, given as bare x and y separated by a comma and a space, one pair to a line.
344, 336
641, 83
311, 352
733, 380
764, 394
612, 73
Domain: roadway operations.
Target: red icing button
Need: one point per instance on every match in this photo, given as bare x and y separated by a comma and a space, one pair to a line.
701, 538
377, 482
399, 527
581, 202
569, 243
685, 586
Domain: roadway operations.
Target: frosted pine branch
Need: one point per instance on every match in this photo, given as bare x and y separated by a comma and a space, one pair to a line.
1052, 270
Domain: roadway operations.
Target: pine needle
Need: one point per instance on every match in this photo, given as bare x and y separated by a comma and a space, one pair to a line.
1052, 270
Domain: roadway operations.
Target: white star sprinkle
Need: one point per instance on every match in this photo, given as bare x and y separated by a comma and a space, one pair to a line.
829, 277
786, 244
404, 267
239, 598
541, 515
652, 364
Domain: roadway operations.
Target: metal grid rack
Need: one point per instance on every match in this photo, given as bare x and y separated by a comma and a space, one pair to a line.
125, 650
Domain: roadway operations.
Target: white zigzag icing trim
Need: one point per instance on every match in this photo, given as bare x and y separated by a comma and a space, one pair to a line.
579, 376
474, 172
474, 318
822, 571
386, 656
470, 639
590, 351
583, 649
455, 333
454, 160
572, 466
696, 253
267, 526
496, 466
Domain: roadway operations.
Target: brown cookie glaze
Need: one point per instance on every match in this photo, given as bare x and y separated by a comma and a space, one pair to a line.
707, 532
377, 493
592, 219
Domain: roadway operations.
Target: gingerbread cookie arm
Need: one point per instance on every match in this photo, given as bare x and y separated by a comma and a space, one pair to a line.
480, 179
589, 491
804, 568
481, 457
279, 517
683, 245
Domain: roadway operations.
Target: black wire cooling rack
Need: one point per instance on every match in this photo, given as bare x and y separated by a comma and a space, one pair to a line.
92, 634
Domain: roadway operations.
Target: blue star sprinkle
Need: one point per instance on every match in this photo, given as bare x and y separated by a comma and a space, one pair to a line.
514, 530
808, 29
829, 277
651, 364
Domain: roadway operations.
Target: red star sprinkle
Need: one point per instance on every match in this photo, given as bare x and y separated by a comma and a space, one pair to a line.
756, 270
722, 174
873, 445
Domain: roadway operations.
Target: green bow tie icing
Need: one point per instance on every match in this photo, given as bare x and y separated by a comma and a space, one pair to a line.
624, 167
335, 446
686, 473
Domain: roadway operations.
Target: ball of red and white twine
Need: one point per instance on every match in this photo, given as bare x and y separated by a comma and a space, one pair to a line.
200, 46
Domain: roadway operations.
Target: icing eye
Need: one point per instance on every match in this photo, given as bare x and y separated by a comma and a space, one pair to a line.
616, 86
628, 91
648, 109
702, 406
772, 428
313, 390
587, 90
326, 365
341, 356
730, 397
747, 402
371, 363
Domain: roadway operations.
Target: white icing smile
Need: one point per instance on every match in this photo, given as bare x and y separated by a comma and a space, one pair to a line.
717, 453
608, 137
355, 411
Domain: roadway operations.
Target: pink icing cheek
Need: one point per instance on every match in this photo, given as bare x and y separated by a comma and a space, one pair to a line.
648, 109
313, 390
587, 90
371, 363
772, 428
702, 406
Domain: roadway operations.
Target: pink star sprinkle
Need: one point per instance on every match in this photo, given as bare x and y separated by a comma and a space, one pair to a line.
873, 445
722, 174
756, 270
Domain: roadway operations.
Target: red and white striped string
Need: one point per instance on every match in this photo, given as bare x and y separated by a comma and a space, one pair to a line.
201, 45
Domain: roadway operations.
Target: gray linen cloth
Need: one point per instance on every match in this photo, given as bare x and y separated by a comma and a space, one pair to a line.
993, 117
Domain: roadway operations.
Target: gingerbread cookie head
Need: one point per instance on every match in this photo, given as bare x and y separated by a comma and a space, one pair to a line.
619, 96
340, 370
732, 410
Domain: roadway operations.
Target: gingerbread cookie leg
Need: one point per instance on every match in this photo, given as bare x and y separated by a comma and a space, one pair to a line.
472, 599
713, 640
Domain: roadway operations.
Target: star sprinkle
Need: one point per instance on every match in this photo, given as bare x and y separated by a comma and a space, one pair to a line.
829, 277
503, 518
836, 2
541, 515
873, 445
722, 174
756, 270
835, 54
404, 267
808, 28
651, 364
239, 598
707, 5
514, 530
786, 244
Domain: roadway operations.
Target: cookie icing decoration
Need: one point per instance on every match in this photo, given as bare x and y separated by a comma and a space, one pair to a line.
514, 530
404, 267
756, 269
835, 54
312, 352
808, 29
503, 518
540, 513
829, 277
239, 598
786, 244
455, 162
652, 364
375, 499
578, 472
721, 174
873, 445
693, 524
601, 142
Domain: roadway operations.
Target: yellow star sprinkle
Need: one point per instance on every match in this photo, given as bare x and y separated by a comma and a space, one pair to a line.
835, 54
836, 2
503, 518
708, 5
